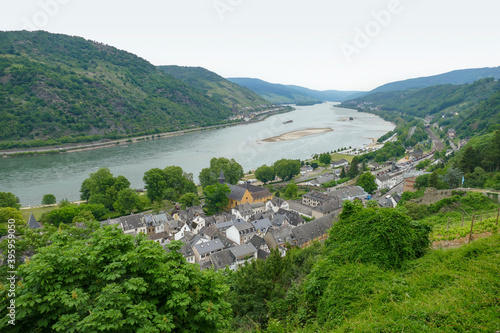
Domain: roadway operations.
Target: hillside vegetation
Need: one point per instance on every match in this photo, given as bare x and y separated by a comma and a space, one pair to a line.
218, 88
58, 88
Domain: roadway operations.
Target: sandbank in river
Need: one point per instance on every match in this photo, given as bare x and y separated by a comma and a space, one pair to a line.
297, 134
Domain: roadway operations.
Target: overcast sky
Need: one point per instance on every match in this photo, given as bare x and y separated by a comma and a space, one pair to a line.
319, 44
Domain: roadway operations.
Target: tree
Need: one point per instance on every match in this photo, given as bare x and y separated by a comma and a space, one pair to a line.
8, 199
108, 281
8, 213
367, 182
314, 165
101, 187
127, 200
325, 158
155, 184
265, 173
232, 172
421, 182
189, 200
291, 190
216, 199
453, 178
469, 160
49, 199
434, 179
343, 173
287, 169
354, 169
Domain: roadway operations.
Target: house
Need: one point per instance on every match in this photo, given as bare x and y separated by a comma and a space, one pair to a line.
182, 231
314, 198
332, 206
305, 169
241, 233
279, 220
133, 224
259, 243
451, 133
340, 163
223, 226
276, 204
204, 250
316, 230
198, 223
188, 253
189, 214
161, 237
348, 193
293, 218
409, 180
244, 253
261, 226
279, 237
246, 193
223, 259
374, 166
245, 211
322, 180
388, 180
33, 223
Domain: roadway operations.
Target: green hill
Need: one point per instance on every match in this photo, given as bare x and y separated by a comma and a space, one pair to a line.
218, 88
288, 94
471, 109
454, 77
57, 88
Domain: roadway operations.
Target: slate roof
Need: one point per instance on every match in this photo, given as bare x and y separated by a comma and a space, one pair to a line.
383, 178
222, 259
261, 254
294, 218
211, 246
313, 229
262, 225
162, 218
33, 223
331, 205
282, 235
257, 241
278, 220
130, 222
245, 228
223, 226
299, 207
349, 191
237, 192
186, 250
243, 251
160, 235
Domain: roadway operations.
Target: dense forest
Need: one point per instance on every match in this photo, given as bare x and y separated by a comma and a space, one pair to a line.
219, 89
58, 89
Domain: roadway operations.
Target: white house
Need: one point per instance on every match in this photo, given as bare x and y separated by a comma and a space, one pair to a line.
241, 233
184, 229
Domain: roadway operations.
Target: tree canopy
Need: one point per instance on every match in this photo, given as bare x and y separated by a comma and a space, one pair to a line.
265, 173
216, 199
367, 182
8, 199
233, 171
170, 183
287, 169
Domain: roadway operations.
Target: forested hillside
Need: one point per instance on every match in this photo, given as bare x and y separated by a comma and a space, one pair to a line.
58, 88
217, 87
471, 109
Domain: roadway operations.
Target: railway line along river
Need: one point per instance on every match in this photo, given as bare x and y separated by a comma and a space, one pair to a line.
326, 126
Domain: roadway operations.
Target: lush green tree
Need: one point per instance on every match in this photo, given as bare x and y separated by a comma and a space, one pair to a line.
354, 169
109, 281
385, 237
291, 190
66, 214
189, 200
421, 182
127, 200
469, 160
180, 181
434, 179
155, 184
216, 199
265, 173
287, 169
8, 199
453, 178
423, 164
343, 173
233, 171
49, 199
97, 183
367, 182
314, 165
8, 213
325, 158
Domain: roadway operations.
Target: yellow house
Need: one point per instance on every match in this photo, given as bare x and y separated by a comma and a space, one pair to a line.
247, 193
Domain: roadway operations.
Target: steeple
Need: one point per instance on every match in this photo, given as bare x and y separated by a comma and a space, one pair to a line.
222, 179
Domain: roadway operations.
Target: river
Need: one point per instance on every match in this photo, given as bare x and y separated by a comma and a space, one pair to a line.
30, 177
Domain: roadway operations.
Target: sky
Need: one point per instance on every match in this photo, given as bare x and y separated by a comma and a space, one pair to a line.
319, 44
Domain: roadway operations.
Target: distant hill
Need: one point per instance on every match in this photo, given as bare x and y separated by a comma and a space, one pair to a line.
284, 94
471, 109
218, 88
57, 88
454, 77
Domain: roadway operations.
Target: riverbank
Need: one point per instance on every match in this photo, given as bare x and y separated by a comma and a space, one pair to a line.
297, 134
106, 143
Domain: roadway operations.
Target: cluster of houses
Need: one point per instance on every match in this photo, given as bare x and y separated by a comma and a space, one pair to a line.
230, 239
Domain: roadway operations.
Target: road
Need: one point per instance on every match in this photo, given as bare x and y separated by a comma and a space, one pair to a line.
436, 142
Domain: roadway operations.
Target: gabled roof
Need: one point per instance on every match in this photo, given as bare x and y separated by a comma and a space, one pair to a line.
237, 192
257, 241
242, 227
186, 250
222, 259
294, 218
262, 225
211, 246
349, 191
243, 251
261, 254
282, 235
331, 205
130, 222
33, 223
313, 229
278, 220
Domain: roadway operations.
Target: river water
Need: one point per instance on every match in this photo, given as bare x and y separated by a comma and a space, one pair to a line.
30, 177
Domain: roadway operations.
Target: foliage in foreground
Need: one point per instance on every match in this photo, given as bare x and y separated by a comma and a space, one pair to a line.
113, 282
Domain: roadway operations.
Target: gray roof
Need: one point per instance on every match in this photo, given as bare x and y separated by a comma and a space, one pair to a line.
349, 191
331, 205
384, 177
236, 193
299, 207
294, 218
282, 235
245, 227
261, 254
262, 225
222, 259
161, 218
257, 241
313, 229
33, 223
238, 221
208, 247
243, 251
132, 222
186, 250
223, 226
278, 220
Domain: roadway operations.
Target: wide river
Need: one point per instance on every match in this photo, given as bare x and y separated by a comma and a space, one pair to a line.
31, 177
